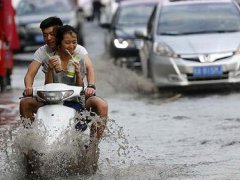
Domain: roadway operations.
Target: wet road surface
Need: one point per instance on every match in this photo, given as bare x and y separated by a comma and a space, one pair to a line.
151, 135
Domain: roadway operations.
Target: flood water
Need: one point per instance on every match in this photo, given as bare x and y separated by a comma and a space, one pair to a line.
151, 135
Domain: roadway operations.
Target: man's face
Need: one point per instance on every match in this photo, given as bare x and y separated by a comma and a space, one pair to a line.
49, 37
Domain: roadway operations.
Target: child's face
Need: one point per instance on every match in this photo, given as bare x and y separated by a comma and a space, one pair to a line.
69, 42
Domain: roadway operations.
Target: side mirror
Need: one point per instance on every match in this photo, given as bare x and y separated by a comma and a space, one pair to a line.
105, 25
141, 35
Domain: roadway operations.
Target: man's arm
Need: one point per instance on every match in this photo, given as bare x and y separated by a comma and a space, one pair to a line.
49, 76
90, 70
30, 75
90, 76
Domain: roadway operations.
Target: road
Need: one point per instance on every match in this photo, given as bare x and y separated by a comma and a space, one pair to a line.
152, 135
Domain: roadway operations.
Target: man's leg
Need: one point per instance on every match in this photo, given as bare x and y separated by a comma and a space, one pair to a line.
29, 106
100, 107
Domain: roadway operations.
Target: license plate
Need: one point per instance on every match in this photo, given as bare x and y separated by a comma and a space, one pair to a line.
207, 71
39, 38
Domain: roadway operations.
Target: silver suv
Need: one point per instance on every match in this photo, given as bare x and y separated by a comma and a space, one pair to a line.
192, 43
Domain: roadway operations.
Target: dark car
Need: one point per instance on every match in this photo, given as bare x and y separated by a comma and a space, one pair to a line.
29, 14
120, 40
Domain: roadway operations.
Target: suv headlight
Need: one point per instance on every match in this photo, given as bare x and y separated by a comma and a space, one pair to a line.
163, 50
54, 96
123, 43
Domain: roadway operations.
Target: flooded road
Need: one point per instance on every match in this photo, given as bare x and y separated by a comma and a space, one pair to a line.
150, 135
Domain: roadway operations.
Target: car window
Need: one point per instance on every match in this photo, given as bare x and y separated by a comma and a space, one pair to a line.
137, 14
29, 7
198, 18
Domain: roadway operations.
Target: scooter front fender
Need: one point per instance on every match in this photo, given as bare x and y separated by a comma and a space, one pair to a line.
55, 118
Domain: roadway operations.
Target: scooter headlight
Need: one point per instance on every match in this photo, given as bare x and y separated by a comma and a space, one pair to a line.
54, 96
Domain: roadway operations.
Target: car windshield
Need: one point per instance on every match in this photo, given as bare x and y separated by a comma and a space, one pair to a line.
29, 7
135, 15
198, 18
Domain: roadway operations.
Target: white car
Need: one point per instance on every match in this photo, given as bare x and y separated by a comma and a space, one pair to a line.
192, 43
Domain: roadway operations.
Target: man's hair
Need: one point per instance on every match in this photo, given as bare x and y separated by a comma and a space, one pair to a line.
51, 21
62, 30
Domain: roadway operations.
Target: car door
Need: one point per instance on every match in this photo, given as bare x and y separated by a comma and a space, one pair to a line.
148, 44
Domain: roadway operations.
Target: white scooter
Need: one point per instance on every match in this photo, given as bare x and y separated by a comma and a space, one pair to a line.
57, 141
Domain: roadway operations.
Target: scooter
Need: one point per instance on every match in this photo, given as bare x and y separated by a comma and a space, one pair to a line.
56, 141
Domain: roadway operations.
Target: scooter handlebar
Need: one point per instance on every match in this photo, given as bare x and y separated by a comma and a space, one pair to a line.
24, 95
58, 87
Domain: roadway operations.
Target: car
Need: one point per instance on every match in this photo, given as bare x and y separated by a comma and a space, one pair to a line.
29, 14
190, 43
121, 42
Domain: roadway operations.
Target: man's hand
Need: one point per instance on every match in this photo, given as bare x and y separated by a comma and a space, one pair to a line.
28, 91
89, 92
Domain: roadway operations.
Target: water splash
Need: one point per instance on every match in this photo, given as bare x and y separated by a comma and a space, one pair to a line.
121, 151
118, 158
65, 156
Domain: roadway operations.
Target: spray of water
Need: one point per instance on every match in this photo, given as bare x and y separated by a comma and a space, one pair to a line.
69, 156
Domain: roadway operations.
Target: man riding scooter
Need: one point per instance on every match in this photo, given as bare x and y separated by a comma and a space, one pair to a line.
30, 105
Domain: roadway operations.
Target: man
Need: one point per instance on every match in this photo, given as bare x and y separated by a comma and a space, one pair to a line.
30, 105
96, 9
